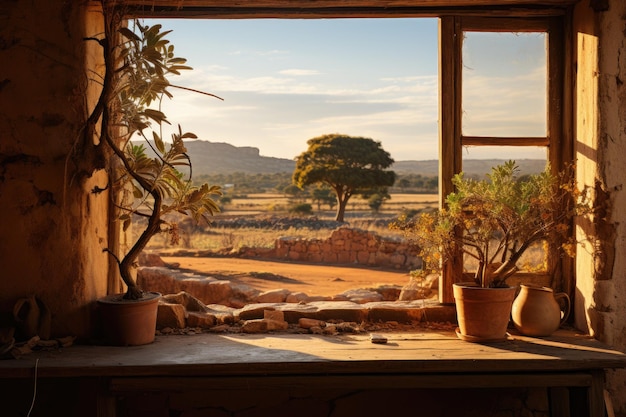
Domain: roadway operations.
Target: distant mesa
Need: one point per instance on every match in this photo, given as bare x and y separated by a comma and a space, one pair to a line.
224, 158
210, 158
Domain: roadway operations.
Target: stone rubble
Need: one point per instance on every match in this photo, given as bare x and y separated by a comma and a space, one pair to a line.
315, 317
211, 290
205, 303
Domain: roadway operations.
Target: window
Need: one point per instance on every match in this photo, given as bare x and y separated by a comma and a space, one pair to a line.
476, 103
458, 132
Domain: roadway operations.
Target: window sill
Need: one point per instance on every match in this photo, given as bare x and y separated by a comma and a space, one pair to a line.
405, 353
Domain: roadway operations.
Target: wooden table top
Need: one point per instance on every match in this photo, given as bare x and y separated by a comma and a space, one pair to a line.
215, 355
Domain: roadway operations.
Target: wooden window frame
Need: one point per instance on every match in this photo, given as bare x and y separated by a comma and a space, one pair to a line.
451, 139
552, 16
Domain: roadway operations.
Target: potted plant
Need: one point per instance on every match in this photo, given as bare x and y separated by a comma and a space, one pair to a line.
494, 221
155, 175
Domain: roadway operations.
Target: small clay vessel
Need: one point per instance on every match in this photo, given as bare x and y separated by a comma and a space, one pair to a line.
536, 311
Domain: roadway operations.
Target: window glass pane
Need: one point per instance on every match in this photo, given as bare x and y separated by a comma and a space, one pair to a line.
504, 84
478, 160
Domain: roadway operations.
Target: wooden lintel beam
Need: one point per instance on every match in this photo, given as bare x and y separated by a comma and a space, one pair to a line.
299, 9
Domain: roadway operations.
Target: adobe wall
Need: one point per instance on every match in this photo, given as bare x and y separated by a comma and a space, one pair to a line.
53, 228
599, 39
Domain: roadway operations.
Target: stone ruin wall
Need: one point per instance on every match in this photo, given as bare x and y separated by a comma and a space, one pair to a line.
344, 246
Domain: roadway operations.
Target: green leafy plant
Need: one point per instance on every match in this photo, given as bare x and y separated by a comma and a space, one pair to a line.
496, 220
159, 175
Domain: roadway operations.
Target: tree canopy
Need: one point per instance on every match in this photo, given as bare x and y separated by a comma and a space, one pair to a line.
349, 165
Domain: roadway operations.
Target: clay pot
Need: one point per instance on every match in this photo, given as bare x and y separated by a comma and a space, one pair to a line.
32, 318
483, 314
536, 311
129, 322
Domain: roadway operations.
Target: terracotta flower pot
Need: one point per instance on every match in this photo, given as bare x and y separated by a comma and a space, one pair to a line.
129, 322
483, 313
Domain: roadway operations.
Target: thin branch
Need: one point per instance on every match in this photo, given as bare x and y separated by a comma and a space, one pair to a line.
196, 91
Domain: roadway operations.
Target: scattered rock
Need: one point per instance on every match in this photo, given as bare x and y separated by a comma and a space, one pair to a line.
414, 290
361, 296
150, 259
306, 323
219, 328
254, 326
273, 296
378, 338
314, 298
253, 311
388, 292
316, 330
276, 324
329, 329
296, 297
166, 330
170, 315
185, 299
274, 315
402, 312
263, 325
347, 327
223, 314
208, 290
202, 320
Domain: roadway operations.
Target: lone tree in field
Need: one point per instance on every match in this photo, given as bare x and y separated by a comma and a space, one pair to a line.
349, 165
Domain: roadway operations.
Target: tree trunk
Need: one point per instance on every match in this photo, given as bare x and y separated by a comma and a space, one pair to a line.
341, 207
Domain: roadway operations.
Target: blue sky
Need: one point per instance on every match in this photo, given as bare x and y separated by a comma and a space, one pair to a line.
286, 81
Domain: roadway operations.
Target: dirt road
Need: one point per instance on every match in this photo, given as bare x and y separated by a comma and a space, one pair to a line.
311, 279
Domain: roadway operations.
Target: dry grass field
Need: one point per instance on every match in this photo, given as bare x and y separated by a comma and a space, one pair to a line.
274, 203
218, 236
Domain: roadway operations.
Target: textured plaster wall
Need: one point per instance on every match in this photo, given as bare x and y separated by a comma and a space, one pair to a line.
52, 227
600, 113
610, 290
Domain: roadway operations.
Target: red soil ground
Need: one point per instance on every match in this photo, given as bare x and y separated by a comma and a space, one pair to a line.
326, 280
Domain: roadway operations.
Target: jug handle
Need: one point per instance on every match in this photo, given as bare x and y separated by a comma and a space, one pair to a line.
567, 305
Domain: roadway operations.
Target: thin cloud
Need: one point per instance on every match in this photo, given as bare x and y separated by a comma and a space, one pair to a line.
299, 72
272, 52
505, 105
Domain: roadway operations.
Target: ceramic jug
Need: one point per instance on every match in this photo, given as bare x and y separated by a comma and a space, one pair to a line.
536, 312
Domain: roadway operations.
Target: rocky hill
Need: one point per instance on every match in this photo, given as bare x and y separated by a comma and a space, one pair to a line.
223, 158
